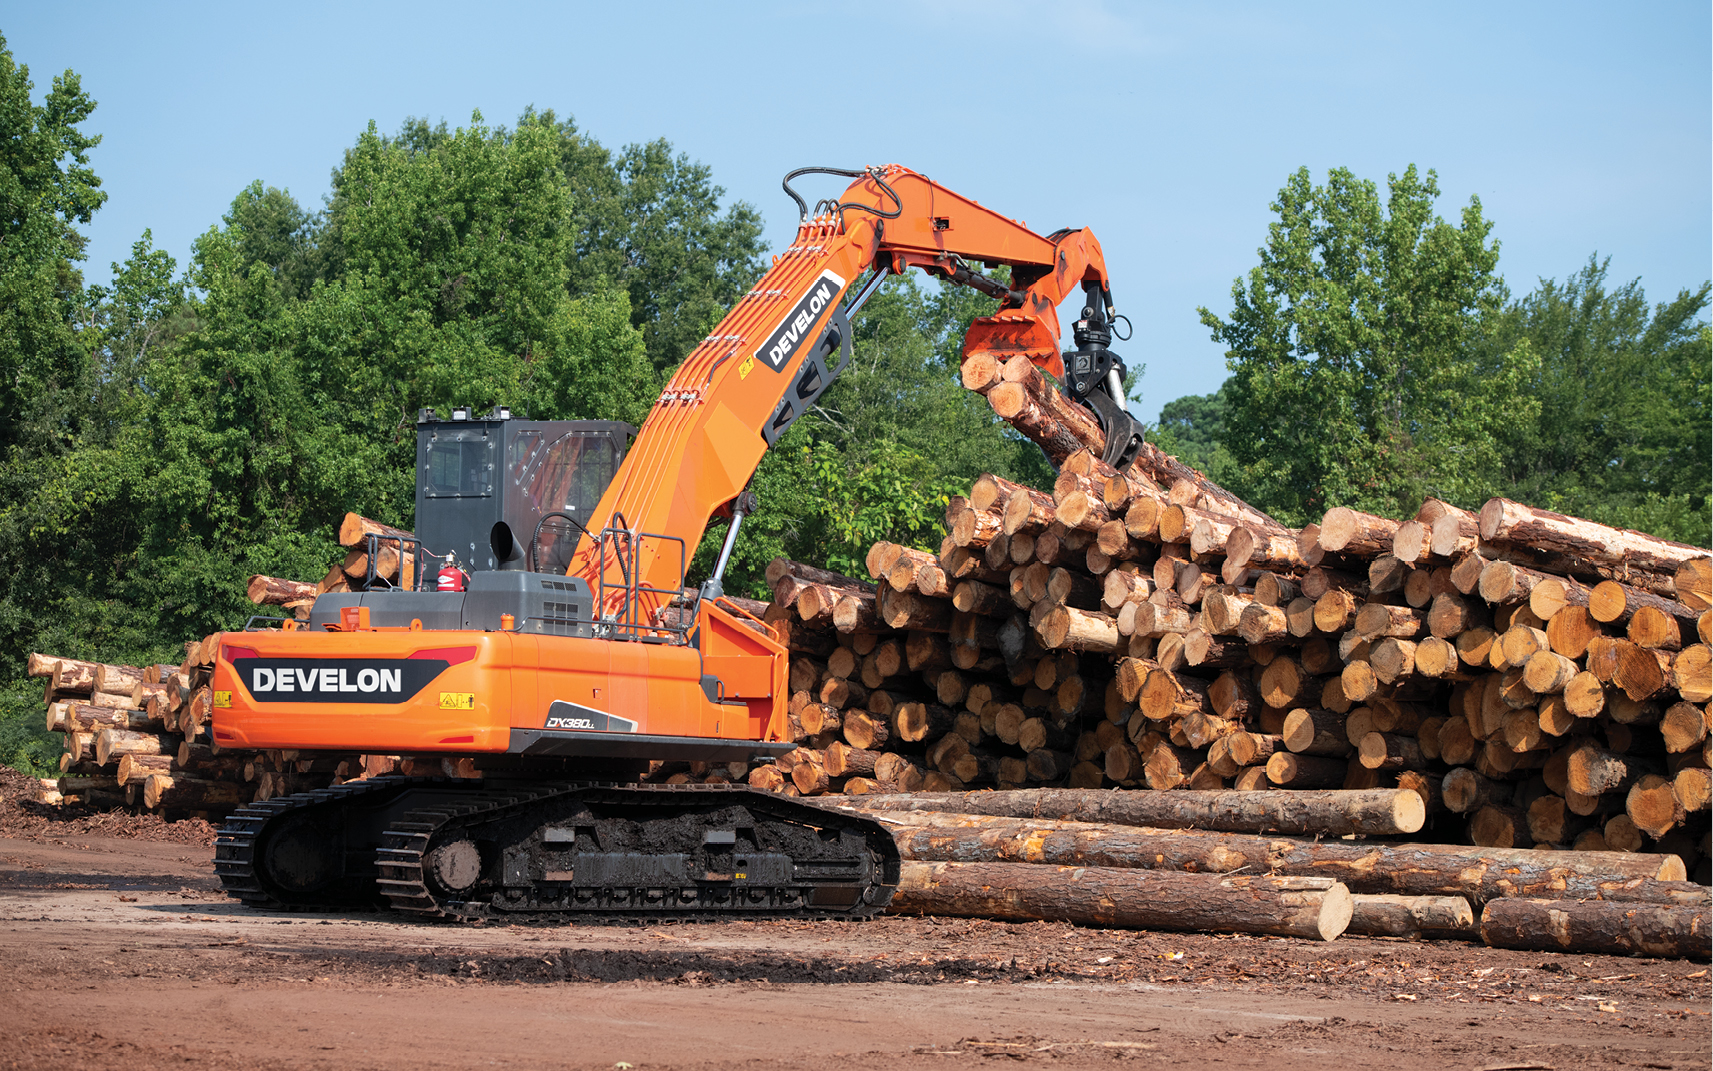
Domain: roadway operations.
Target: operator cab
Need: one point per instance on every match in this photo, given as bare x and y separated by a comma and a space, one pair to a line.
511, 494
509, 497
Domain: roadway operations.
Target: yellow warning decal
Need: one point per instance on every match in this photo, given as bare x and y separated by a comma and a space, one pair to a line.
747, 367
457, 700
222, 699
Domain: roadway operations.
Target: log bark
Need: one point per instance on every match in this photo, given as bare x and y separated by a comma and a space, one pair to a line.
274, 591
1332, 813
1098, 896
1598, 927
1512, 522
355, 528
1372, 868
1036, 408
1414, 917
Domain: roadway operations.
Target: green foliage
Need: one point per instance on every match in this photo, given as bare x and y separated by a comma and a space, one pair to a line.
1623, 435
1376, 359
1193, 428
1360, 377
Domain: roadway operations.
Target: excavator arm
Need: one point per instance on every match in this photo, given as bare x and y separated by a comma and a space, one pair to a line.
789, 337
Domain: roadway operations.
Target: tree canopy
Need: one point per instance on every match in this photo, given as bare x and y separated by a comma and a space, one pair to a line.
1377, 358
1359, 374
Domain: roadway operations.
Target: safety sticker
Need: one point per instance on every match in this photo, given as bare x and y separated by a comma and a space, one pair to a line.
457, 700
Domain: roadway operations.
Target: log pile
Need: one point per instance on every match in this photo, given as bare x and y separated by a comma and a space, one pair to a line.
138, 737
1539, 682
388, 551
1117, 634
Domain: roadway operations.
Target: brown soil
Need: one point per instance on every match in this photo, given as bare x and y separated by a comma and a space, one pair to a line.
120, 950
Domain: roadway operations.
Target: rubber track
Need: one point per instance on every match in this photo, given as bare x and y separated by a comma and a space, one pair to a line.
400, 860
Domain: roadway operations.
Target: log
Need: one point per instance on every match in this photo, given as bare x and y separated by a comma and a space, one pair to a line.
1693, 583
858, 613
1414, 917
1165, 695
842, 760
1692, 788
181, 793
113, 743
867, 731
1691, 674
902, 610
274, 591
1360, 534
1309, 731
1101, 896
1035, 407
1264, 548
1332, 813
1376, 619
1547, 672
1682, 727
355, 528
1289, 770
1375, 868
1506, 521
1390, 751
1598, 927
1652, 806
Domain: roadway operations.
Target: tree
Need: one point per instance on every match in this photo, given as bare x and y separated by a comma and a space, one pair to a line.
1193, 428
1623, 430
1359, 373
46, 188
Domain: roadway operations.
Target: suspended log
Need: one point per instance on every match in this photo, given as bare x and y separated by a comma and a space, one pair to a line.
1098, 896
1598, 927
1036, 408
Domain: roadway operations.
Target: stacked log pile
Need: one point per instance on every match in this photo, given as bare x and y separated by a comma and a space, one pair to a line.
138, 736
1538, 680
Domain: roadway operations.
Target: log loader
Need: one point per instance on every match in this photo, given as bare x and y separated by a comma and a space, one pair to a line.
567, 664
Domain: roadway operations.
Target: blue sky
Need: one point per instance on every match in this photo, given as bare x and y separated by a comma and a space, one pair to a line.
1168, 129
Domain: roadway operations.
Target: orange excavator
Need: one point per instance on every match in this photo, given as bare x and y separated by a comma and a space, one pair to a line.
568, 663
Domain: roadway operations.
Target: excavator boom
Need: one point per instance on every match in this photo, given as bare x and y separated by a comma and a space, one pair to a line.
787, 339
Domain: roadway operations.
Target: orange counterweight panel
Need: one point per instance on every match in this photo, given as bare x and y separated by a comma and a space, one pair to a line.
386, 691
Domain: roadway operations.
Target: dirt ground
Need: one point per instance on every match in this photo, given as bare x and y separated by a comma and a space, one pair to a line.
119, 950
